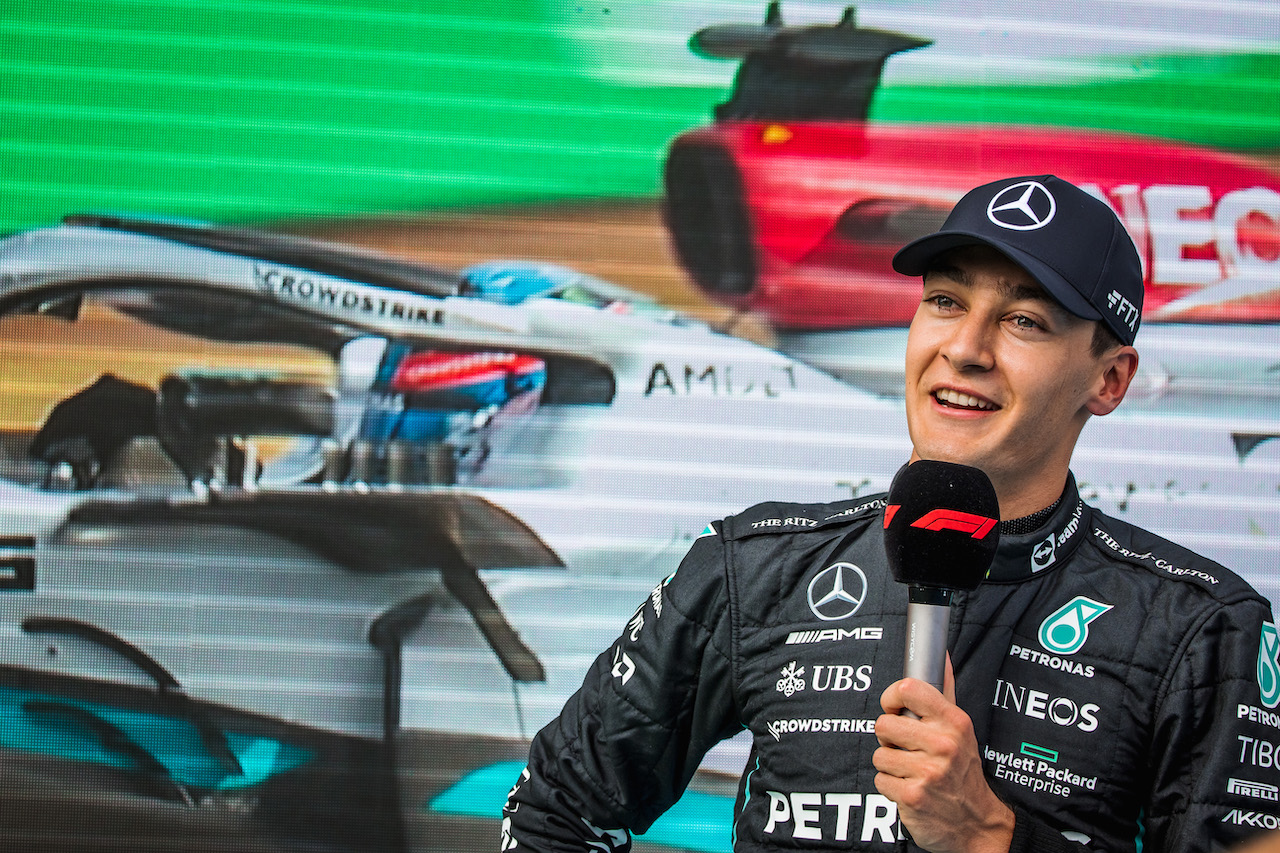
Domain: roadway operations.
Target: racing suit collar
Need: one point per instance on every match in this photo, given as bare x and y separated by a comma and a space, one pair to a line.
1048, 546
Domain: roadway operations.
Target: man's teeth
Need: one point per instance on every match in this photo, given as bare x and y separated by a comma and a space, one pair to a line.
963, 401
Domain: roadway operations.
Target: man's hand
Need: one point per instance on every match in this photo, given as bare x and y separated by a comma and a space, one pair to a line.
931, 768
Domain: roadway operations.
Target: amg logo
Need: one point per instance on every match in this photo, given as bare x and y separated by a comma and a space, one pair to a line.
1259, 790
801, 637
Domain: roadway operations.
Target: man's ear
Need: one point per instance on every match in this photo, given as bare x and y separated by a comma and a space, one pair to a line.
1117, 367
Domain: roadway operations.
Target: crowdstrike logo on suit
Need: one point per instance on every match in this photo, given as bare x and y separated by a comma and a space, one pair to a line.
819, 725
1065, 630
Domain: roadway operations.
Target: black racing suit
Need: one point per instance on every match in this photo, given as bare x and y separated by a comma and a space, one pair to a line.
1123, 690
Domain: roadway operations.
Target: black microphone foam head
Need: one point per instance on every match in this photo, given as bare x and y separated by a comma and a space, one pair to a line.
942, 525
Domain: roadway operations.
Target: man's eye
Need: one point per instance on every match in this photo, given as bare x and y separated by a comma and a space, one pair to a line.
940, 301
1024, 322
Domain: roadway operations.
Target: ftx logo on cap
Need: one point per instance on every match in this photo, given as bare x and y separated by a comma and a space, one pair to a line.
1073, 244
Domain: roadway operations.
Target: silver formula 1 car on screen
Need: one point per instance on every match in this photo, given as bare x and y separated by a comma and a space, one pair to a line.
300, 544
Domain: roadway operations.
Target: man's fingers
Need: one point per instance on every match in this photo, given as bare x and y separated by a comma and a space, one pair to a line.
889, 730
912, 694
894, 762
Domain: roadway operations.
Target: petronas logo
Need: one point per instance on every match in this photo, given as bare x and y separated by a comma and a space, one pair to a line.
1065, 630
1269, 666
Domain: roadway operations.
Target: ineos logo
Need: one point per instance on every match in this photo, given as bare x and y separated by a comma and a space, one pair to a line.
1025, 206
1043, 706
837, 592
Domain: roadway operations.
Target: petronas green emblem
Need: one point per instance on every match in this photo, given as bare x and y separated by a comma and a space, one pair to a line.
1065, 630
1269, 666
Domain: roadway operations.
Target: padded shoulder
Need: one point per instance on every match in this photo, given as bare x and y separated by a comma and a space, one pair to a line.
1136, 546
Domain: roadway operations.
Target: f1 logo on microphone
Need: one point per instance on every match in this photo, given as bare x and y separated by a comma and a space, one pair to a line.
977, 526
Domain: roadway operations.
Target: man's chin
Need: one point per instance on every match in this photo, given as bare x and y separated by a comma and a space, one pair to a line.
945, 453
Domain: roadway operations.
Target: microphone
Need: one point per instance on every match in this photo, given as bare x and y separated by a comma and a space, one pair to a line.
942, 526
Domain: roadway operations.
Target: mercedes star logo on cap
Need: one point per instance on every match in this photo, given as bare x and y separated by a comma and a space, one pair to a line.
1024, 206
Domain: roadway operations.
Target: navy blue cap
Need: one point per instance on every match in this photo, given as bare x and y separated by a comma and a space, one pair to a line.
1070, 242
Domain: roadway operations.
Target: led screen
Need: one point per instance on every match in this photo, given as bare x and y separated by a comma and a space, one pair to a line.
363, 367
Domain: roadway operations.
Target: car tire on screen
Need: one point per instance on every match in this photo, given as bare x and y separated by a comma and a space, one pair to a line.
708, 221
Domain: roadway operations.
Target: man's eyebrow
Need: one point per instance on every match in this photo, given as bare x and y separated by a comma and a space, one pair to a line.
1018, 291
949, 270
1009, 289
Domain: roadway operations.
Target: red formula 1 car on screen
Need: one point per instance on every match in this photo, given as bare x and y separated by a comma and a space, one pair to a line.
791, 204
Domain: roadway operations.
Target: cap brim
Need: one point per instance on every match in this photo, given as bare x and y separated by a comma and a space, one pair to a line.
915, 257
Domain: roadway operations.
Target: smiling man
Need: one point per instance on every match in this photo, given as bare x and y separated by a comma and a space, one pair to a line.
1110, 689
1004, 365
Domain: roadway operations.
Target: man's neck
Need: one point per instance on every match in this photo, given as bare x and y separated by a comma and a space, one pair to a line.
1028, 523
1017, 504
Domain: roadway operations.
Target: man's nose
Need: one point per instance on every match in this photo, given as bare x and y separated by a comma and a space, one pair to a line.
969, 344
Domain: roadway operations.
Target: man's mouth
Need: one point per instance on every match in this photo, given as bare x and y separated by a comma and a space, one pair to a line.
957, 400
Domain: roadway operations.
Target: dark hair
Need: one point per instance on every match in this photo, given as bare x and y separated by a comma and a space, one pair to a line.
1104, 340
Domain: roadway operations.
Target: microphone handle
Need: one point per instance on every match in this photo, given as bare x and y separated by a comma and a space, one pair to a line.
928, 617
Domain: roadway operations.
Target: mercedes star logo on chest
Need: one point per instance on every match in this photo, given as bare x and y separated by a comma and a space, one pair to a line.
837, 592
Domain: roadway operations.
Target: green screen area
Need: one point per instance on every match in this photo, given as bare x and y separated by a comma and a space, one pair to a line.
253, 109
1215, 100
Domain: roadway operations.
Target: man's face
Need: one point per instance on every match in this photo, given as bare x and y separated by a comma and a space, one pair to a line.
1000, 376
